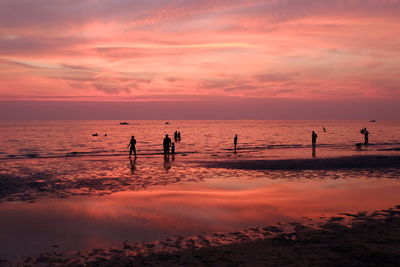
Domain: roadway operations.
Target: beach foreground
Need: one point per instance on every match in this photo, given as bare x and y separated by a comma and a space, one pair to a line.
81, 201
362, 239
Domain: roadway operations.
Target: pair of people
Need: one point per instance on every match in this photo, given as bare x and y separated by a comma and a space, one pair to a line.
177, 136
313, 140
167, 144
363, 131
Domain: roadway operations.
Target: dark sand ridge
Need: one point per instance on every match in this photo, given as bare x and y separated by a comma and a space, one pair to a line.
346, 240
349, 162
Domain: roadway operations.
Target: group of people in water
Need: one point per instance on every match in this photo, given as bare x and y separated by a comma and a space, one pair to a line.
169, 146
314, 136
363, 131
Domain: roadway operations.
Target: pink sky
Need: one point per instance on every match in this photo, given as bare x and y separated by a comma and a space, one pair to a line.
202, 51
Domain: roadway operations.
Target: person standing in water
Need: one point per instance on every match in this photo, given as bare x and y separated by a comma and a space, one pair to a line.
166, 144
314, 139
173, 148
366, 133
132, 144
235, 140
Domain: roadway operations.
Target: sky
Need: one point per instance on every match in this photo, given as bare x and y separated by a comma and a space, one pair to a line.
199, 59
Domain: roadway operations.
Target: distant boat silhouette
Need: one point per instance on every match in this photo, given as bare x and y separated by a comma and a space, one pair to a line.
124, 123
167, 122
372, 121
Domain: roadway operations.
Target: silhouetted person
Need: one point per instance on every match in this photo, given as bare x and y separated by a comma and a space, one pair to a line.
179, 136
166, 144
366, 133
173, 148
132, 145
176, 136
323, 128
314, 139
235, 139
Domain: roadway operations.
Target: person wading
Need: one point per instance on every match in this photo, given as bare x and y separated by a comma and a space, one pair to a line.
132, 145
166, 144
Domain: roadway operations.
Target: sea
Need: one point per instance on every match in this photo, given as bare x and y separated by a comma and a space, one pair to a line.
70, 185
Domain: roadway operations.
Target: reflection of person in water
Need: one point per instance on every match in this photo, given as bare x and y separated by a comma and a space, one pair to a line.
167, 163
132, 144
314, 152
314, 139
166, 144
132, 165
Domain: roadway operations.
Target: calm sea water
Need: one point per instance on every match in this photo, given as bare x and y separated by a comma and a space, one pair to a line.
202, 139
63, 189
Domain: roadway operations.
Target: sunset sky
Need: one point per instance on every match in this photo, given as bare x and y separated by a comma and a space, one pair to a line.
261, 59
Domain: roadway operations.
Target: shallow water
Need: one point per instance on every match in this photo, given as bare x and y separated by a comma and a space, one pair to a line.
202, 139
63, 189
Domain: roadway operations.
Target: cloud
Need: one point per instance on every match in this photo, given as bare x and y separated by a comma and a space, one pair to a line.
271, 48
110, 88
276, 77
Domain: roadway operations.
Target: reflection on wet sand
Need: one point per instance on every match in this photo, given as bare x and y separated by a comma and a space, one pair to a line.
23, 180
132, 165
162, 211
167, 164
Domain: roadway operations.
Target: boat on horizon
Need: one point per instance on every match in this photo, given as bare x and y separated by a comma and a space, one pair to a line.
124, 123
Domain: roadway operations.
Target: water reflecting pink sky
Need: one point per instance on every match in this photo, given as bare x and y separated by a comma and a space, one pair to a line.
161, 211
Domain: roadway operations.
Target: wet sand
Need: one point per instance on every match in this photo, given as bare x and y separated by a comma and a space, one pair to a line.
350, 162
344, 240
35, 179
